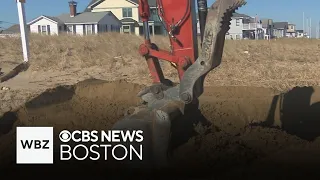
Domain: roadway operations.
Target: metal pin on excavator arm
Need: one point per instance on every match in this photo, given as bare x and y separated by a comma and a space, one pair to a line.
164, 103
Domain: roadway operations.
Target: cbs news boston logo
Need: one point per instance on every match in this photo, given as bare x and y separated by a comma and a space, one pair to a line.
35, 145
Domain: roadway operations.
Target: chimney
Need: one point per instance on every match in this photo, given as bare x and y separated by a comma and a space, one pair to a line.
73, 8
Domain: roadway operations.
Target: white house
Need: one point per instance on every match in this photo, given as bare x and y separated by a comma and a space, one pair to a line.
300, 34
45, 25
244, 27
76, 23
291, 31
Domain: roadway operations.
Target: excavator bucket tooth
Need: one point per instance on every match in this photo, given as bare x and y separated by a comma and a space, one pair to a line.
217, 25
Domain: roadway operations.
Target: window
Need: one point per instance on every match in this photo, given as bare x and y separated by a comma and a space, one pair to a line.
153, 11
69, 28
88, 29
154, 15
93, 29
237, 22
126, 29
48, 29
43, 29
126, 12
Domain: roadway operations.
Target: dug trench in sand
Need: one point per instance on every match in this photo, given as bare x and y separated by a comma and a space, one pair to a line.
248, 125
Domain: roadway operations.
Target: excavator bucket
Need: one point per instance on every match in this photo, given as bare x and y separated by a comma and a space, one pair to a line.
158, 117
156, 127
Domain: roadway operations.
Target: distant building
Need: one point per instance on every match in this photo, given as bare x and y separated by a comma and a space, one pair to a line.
127, 12
12, 31
245, 27
291, 30
280, 29
267, 26
300, 34
85, 23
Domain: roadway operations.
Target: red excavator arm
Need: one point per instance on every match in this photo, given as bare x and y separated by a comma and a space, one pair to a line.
164, 104
179, 19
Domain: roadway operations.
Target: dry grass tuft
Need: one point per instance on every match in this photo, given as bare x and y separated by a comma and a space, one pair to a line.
280, 64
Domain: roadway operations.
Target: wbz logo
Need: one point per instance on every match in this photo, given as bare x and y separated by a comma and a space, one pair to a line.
34, 145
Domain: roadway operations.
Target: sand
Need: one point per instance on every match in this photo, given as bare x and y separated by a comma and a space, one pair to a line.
247, 136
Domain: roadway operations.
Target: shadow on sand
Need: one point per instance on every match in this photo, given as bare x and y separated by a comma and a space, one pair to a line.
297, 115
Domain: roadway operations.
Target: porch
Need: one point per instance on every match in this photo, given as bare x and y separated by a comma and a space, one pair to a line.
253, 34
155, 28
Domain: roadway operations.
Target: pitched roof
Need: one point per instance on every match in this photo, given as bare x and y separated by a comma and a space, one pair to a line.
92, 2
266, 22
129, 20
13, 29
241, 15
55, 19
152, 3
85, 17
235, 15
280, 25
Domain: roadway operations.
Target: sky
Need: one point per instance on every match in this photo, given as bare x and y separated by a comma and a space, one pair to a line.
279, 10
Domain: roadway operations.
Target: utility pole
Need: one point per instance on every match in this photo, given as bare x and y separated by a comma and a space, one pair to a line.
23, 27
307, 27
310, 25
303, 22
319, 30
256, 26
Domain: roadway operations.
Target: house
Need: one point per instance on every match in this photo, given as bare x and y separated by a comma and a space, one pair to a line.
244, 27
85, 23
12, 31
127, 12
291, 30
45, 25
300, 34
280, 29
267, 26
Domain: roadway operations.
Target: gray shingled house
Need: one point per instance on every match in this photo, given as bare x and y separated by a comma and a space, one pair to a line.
84, 23
280, 29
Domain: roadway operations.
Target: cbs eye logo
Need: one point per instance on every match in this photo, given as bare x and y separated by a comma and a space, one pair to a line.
65, 136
